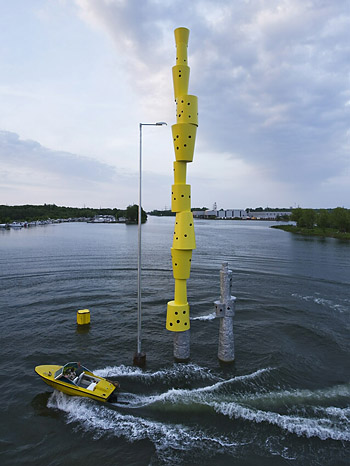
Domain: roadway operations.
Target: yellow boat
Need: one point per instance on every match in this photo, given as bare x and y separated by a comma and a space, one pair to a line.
75, 379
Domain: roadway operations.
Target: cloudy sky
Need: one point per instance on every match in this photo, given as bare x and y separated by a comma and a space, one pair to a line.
273, 84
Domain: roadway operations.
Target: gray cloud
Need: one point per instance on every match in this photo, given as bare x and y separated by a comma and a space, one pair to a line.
30, 155
31, 173
272, 77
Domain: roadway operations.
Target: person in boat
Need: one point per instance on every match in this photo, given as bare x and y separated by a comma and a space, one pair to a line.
72, 372
72, 367
67, 371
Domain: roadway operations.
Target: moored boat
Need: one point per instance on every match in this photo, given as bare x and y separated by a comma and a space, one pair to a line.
76, 380
17, 224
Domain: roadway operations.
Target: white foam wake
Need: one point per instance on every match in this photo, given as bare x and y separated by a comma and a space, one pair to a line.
205, 317
301, 397
190, 396
177, 371
307, 421
325, 302
338, 414
165, 437
323, 428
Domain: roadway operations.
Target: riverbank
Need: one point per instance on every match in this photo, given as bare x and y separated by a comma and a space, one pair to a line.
323, 233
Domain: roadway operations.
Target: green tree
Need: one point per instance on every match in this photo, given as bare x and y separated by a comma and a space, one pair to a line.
132, 214
304, 218
323, 219
43, 212
340, 219
307, 219
296, 215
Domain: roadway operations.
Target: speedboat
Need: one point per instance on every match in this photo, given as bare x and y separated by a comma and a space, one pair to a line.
75, 379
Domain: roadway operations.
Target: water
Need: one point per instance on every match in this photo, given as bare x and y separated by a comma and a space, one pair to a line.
286, 400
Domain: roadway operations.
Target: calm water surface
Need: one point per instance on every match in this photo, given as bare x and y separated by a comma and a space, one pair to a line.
285, 401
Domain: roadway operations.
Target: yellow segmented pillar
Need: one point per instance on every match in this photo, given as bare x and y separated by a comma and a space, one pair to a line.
184, 138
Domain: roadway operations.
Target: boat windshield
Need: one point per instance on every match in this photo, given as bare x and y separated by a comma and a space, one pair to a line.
58, 373
70, 370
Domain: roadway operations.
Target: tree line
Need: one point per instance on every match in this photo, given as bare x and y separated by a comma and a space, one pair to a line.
336, 219
29, 213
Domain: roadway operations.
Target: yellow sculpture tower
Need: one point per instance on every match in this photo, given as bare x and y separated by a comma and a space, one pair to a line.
184, 137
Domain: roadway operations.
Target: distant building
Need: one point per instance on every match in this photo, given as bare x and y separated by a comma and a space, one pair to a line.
232, 213
268, 215
239, 214
198, 213
210, 213
222, 214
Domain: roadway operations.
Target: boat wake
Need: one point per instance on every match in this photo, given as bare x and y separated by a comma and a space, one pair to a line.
189, 396
178, 420
342, 306
178, 372
211, 316
168, 438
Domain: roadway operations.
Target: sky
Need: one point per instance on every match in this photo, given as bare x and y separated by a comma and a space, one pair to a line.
77, 77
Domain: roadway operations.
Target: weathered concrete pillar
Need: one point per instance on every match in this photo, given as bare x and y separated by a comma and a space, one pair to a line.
182, 346
225, 310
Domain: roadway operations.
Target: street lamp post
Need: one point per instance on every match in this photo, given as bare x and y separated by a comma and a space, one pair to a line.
139, 356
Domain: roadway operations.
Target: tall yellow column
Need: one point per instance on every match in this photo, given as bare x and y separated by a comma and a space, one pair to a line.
184, 137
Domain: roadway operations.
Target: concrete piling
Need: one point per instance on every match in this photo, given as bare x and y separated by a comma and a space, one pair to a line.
182, 346
225, 311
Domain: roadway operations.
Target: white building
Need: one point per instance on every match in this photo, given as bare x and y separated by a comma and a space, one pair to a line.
232, 213
198, 213
268, 215
222, 214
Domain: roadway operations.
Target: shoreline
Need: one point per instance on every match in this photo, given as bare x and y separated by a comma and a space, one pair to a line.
318, 232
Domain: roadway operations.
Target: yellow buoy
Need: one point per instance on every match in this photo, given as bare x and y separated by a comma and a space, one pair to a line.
83, 317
